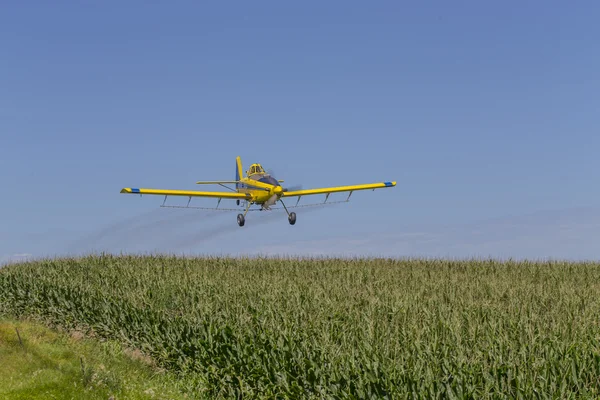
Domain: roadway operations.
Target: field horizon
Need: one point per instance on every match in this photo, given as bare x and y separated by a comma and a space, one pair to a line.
28, 258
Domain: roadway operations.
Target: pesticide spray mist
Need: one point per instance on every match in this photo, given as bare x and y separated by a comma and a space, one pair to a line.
165, 230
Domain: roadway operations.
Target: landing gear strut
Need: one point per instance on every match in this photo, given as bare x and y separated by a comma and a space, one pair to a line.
241, 218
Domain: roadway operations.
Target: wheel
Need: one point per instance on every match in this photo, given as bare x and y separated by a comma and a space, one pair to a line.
238, 202
241, 220
292, 218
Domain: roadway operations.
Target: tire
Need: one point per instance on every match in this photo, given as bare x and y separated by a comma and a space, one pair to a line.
292, 218
241, 220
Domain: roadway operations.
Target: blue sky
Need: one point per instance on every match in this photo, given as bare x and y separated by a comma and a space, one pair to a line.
479, 111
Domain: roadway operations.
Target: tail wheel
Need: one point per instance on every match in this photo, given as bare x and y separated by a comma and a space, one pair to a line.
241, 220
292, 218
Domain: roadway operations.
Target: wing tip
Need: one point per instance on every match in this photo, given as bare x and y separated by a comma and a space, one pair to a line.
389, 184
130, 190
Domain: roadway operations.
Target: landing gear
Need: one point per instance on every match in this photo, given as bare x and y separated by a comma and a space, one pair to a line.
291, 215
292, 218
241, 219
238, 202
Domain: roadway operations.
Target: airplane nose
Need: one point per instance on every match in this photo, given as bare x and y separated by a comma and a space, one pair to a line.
278, 190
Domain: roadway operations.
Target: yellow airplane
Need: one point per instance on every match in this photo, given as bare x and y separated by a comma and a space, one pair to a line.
257, 187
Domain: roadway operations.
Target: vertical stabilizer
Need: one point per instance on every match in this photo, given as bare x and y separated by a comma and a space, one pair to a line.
238, 171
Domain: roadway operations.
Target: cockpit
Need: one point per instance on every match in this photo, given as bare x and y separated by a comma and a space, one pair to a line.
257, 172
256, 169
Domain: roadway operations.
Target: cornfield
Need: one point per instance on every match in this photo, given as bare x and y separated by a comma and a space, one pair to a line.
333, 328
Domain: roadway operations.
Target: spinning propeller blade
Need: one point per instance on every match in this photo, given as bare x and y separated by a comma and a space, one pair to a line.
293, 188
271, 172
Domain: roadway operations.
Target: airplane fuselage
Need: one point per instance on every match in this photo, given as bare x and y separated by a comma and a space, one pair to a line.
263, 188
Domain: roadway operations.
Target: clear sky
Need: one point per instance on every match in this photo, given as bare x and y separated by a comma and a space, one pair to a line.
479, 110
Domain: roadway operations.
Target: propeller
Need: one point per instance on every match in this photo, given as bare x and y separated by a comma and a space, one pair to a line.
271, 172
292, 188
277, 192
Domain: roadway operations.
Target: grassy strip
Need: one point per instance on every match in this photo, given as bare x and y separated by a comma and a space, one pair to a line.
39, 363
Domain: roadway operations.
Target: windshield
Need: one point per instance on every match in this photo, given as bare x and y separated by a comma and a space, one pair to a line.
270, 180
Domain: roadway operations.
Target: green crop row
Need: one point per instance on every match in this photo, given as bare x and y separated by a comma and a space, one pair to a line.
333, 328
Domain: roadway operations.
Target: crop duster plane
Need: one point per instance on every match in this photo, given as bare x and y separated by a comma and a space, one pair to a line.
256, 187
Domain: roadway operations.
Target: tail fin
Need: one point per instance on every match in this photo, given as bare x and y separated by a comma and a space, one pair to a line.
238, 171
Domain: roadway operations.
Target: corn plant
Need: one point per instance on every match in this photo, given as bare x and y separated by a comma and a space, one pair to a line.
333, 328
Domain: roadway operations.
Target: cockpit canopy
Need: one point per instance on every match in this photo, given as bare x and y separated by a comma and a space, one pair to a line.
257, 172
256, 169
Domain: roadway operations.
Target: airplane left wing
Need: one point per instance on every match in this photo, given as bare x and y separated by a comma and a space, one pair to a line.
339, 189
188, 193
